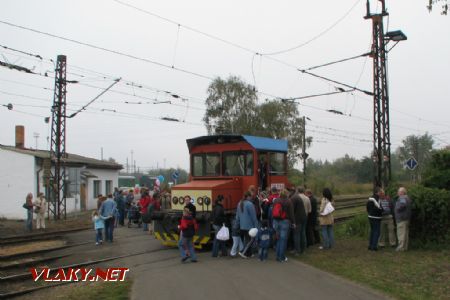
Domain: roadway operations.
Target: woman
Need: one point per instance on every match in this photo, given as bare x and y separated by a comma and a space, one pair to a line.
40, 208
29, 207
326, 220
246, 218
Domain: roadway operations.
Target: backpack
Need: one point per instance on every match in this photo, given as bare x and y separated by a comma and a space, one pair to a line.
278, 210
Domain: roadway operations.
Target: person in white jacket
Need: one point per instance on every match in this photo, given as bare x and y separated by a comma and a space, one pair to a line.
40, 207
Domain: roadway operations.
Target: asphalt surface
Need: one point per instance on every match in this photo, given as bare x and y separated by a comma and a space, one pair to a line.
160, 274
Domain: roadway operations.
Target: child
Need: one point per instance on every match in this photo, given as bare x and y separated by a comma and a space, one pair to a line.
99, 225
188, 226
238, 246
263, 240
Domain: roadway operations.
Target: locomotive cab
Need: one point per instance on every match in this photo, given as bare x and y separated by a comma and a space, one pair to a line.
222, 165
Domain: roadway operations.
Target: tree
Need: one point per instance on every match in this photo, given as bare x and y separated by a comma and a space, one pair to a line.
437, 174
232, 108
419, 147
444, 3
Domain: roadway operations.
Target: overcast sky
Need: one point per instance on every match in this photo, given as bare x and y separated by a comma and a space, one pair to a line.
326, 31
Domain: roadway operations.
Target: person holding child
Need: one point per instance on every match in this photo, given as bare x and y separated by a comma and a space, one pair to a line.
188, 226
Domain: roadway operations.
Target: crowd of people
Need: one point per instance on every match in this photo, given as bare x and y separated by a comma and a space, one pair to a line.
281, 220
131, 204
384, 215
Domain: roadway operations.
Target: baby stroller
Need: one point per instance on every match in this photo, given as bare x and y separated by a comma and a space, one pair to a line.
134, 216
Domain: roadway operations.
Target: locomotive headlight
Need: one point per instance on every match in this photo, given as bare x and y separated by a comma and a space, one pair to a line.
207, 201
181, 200
199, 200
175, 200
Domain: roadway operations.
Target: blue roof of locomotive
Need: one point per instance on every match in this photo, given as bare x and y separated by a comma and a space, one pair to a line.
259, 143
268, 144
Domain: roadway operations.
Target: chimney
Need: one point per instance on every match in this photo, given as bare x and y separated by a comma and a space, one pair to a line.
20, 136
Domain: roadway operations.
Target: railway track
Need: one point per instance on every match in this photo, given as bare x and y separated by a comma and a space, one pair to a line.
26, 277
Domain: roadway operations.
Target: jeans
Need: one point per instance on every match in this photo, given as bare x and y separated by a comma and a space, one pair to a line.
328, 236
109, 228
218, 243
238, 246
303, 242
375, 225
263, 253
145, 227
282, 230
186, 244
121, 216
29, 223
98, 235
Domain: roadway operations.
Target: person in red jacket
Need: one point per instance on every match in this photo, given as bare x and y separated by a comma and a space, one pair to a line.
188, 226
144, 202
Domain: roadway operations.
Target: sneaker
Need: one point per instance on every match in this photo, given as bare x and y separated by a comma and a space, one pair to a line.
194, 260
184, 258
101, 242
285, 259
321, 248
97, 244
242, 255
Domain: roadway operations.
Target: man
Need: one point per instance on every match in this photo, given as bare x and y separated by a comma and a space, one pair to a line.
191, 207
307, 205
299, 221
386, 219
283, 216
312, 232
120, 204
218, 220
108, 210
402, 217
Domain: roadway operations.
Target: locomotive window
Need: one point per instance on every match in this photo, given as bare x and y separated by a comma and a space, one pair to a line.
277, 163
238, 163
206, 164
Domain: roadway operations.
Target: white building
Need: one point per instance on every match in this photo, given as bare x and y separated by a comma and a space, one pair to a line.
22, 171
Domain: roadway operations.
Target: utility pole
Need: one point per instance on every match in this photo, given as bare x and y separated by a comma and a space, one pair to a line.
381, 155
304, 154
57, 187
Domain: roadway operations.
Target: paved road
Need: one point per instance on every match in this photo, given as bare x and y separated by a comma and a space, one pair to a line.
161, 275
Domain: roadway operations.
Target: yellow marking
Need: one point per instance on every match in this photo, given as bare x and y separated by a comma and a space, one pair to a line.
192, 193
204, 240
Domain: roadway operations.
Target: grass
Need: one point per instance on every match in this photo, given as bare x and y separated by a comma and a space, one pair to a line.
415, 274
99, 290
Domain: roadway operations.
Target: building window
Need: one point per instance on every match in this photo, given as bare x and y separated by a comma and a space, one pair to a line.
108, 187
97, 188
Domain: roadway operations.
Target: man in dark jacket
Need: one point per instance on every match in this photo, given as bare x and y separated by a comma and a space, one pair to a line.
218, 220
374, 211
299, 221
191, 208
312, 234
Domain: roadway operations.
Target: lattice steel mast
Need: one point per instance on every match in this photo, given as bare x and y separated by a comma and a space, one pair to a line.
57, 195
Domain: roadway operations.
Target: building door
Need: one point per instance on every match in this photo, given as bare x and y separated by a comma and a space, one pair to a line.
83, 197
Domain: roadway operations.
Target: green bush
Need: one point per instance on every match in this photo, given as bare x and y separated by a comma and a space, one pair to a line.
430, 222
357, 226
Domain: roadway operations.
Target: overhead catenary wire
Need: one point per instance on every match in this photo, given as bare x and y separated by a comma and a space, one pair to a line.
107, 50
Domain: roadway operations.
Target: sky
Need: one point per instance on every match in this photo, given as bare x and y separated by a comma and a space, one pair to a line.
162, 49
